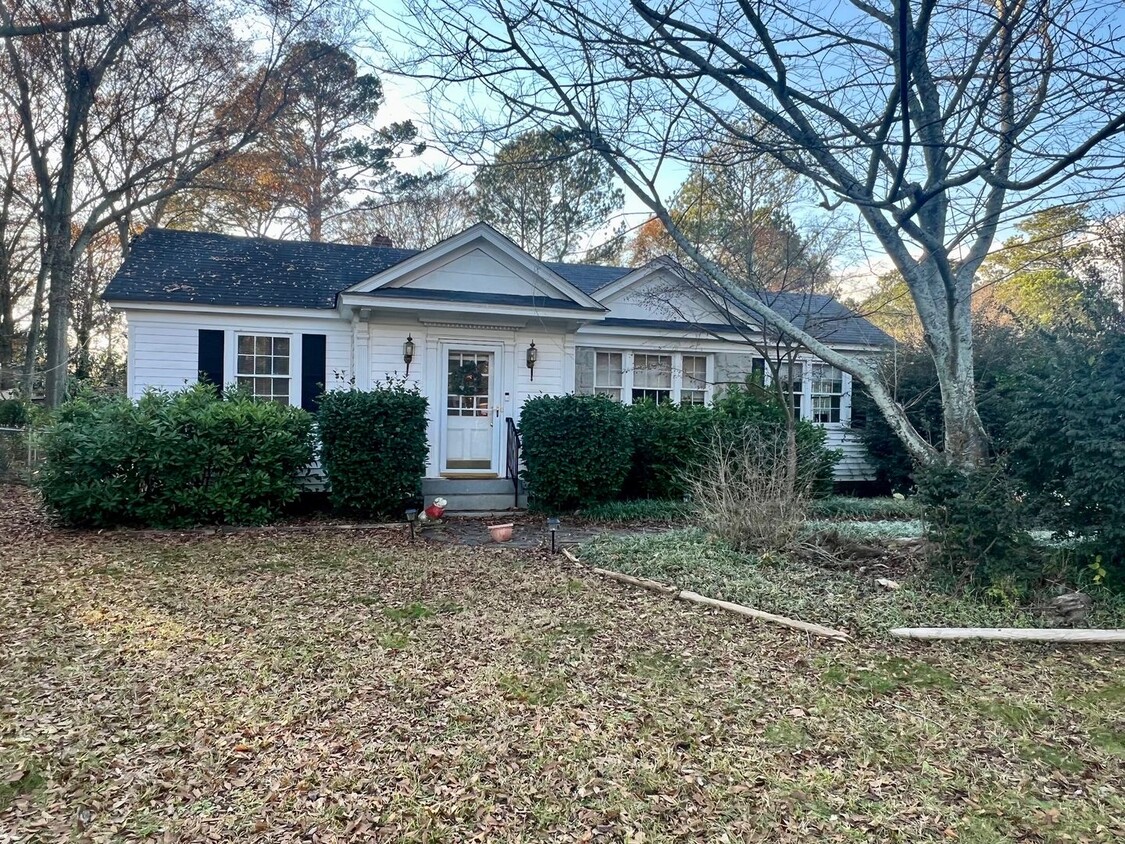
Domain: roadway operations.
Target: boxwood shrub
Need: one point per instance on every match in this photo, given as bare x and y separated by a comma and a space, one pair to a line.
173, 459
577, 450
667, 440
373, 448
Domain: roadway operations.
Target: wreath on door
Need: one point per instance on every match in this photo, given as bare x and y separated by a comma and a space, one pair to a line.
467, 379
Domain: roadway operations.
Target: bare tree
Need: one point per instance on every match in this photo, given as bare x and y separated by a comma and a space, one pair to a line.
19, 244
419, 216
934, 121
19, 19
118, 118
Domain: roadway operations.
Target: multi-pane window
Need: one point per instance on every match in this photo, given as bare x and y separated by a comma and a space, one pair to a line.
262, 367
652, 378
608, 370
791, 377
827, 392
468, 390
693, 390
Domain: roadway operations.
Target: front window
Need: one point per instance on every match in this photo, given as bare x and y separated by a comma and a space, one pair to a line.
652, 378
262, 367
827, 392
649, 376
694, 388
790, 376
608, 375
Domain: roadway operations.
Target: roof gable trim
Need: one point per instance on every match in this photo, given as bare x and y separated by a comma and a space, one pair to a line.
486, 239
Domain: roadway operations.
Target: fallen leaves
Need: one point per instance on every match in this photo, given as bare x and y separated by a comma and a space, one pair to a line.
282, 687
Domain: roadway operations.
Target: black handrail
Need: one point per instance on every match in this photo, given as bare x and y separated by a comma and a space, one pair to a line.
513, 466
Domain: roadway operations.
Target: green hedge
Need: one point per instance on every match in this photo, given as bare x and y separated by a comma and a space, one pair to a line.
585, 450
14, 414
373, 448
577, 450
739, 408
667, 439
173, 459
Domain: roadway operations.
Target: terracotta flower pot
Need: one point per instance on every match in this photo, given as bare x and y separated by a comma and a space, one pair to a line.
501, 533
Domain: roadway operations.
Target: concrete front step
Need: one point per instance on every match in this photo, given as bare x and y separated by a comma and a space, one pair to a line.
473, 494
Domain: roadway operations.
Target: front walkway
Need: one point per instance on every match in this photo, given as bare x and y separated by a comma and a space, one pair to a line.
528, 531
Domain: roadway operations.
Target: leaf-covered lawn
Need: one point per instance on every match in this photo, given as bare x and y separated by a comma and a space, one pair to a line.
281, 687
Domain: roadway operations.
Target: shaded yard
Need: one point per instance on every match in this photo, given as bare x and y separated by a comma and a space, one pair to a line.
327, 688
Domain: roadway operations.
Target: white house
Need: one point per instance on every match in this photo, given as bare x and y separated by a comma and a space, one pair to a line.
286, 319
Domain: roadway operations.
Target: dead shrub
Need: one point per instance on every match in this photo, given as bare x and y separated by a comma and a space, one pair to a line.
749, 490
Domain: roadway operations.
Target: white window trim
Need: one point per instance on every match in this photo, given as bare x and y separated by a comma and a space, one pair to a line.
628, 367
294, 338
806, 362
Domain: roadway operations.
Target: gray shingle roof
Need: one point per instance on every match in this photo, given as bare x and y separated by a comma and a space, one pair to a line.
203, 268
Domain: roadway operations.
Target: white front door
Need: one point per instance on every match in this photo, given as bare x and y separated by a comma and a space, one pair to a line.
472, 421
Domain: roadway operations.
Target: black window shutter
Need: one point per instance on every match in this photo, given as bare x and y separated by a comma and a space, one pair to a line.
211, 357
313, 374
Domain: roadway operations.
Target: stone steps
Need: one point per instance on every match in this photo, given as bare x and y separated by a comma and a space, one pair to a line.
473, 494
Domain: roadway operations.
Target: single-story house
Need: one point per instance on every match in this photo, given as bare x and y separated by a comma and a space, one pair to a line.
286, 319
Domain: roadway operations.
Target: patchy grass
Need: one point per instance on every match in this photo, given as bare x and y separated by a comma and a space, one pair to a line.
845, 599
866, 531
849, 507
188, 689
680, 512
651, 511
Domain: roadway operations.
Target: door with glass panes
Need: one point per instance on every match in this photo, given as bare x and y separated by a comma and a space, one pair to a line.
471, 411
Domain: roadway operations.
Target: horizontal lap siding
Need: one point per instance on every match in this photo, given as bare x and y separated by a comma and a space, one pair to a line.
164, 345
854, 465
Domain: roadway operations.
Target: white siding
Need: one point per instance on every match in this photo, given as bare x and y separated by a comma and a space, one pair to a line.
479, 271
554, 371
853, 466
164, 346
663, 298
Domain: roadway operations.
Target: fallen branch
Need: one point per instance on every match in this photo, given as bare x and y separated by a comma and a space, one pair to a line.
1011, 634
644, 583
815, 629
696, 598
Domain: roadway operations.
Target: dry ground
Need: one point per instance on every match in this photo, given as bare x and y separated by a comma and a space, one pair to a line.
284, 687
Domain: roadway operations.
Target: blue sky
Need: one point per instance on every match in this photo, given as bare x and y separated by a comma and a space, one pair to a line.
406, 100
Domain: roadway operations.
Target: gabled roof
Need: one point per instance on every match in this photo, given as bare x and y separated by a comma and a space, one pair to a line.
542, 281
203, 268
821, 315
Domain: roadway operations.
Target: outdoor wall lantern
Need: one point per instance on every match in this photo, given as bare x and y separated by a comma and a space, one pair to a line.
553, 527
408, 352
412, 517
532, 357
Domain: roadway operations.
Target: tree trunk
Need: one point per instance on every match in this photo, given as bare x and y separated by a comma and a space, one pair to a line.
60, 270
966, 443
33, 331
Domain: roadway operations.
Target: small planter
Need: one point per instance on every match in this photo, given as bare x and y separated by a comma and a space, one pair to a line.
501, 533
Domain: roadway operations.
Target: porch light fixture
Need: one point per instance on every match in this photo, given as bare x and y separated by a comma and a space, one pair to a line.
411, 517
408, 352
553, 527
532, 357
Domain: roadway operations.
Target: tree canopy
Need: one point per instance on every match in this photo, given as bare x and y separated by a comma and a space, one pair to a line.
933, 123
547, 191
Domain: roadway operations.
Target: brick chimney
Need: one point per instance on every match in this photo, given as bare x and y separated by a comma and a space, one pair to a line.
382, 240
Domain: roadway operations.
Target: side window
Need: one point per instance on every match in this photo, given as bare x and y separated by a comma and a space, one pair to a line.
262, 367
827, 393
